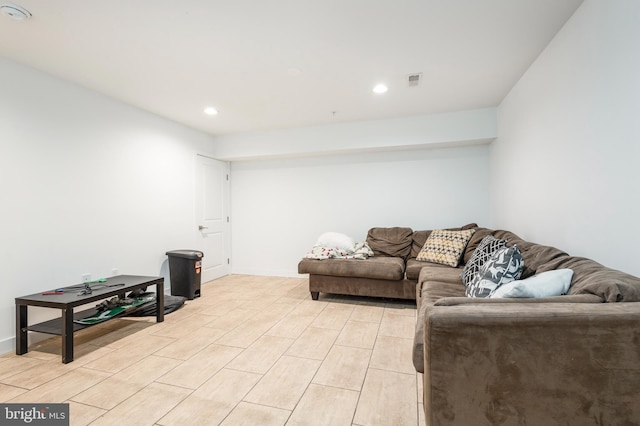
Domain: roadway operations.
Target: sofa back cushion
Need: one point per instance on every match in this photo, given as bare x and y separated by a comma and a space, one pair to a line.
590, 277
394, 242
534, 255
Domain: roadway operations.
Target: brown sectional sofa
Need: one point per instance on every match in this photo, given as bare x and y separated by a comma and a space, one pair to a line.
565, 360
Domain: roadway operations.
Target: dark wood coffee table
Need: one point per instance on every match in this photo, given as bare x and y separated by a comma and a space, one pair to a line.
72, 297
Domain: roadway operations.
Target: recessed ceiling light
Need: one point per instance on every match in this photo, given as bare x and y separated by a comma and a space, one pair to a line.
210, 111
380, 88
15, 12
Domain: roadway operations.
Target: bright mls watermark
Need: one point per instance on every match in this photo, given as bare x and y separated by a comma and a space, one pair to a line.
34, 414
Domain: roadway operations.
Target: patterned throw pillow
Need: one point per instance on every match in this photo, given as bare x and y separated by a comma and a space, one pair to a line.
481, 254
445, 247
504, 266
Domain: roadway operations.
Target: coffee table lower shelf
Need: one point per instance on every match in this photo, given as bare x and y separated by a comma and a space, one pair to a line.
54, 326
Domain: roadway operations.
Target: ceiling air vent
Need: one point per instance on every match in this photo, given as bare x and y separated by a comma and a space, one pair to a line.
414, 79
15, 12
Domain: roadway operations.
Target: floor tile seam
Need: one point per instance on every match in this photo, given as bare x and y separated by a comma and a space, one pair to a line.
382, 369
323, 361
360, 393
93, 347
366, 322
301, 395
335, 387
16, 387
328, 328
191, 390
103, 371
321, 328
347, 346
397, 316
86, 405
135, 345
190, 357
304, 357
299, 315
290, 356
72, 368
355, 347
395, 336
242, 371
245, 320
242, 399
85, 389
374, 340
389, 370
288, 337
147, 353
258, 404
340, 306
333, 343
208, 378
364, 379
165, 414
195, 353
2, 380
398, 372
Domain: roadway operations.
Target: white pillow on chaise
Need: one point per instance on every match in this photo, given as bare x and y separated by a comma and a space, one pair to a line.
545, 284
335, 240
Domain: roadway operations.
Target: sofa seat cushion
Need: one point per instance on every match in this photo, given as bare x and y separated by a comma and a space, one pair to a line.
376, 267
415, 266
432, 291
434, 273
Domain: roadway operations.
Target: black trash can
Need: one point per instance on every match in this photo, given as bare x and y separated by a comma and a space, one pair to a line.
185, 267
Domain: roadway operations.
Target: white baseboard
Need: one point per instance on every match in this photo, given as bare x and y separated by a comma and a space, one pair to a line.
7, 345
285, 273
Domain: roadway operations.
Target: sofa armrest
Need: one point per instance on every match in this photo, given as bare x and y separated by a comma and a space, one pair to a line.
575, 298
535, 363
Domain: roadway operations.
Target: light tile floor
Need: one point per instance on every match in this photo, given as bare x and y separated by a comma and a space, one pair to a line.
252, 350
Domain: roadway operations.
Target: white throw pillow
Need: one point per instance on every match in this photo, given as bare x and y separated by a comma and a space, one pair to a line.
335, 240
545, 284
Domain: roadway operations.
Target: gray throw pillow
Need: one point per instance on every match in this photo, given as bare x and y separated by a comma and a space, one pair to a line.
481, 254
504, 266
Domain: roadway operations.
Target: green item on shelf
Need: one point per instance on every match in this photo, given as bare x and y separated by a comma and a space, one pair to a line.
105, 314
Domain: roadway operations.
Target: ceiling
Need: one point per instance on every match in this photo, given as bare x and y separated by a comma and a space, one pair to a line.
286, 63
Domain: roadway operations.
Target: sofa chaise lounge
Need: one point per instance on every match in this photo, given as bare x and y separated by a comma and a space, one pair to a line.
392, 272
572, 359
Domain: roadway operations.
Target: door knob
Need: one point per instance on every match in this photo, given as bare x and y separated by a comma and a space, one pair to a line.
200, 227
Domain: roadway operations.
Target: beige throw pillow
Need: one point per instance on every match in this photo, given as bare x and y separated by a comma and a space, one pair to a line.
445, 247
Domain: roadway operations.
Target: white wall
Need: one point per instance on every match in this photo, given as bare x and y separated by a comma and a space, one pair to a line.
416, 132
280, 207
564, 169
88, 184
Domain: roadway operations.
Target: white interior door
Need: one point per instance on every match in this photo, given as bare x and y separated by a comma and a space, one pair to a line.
212, 221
